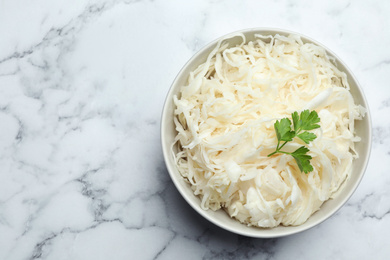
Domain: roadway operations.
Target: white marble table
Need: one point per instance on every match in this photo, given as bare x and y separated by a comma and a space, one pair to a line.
82, 85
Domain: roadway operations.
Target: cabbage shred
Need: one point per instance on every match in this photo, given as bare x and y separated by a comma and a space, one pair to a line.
224, 119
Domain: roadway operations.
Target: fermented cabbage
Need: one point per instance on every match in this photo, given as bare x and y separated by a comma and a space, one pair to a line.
224, 119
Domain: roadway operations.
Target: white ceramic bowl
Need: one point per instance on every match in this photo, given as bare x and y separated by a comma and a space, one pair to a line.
220, 217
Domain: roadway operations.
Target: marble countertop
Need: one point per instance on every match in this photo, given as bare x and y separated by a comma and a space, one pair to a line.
82, 85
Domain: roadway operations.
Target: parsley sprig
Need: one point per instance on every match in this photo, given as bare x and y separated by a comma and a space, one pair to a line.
306, 121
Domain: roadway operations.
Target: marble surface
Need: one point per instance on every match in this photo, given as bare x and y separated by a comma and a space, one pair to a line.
82, 85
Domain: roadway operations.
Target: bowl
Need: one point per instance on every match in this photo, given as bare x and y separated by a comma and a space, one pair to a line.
220, 217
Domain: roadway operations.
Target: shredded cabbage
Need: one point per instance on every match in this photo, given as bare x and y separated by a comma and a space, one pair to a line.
224, 119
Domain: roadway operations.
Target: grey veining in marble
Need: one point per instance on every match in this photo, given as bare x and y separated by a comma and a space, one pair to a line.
82, 85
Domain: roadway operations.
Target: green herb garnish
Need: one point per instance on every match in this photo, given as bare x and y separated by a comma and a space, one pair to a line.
305, 121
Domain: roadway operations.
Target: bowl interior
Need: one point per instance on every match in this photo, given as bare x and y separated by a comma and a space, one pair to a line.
220, 218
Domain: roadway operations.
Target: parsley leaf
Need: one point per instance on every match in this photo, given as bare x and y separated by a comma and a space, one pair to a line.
305, 121
307, 137
283, 130
295, 118
303, 159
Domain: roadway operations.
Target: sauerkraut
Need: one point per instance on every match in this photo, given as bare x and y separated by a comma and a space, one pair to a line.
224, 119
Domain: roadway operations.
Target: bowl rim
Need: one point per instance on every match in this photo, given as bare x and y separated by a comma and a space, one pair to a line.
166, 151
